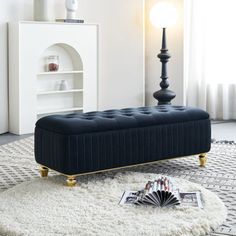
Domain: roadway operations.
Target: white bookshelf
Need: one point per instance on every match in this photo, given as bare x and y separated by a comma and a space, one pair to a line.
34, 91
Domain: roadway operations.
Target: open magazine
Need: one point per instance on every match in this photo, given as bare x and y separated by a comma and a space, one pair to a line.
162, 193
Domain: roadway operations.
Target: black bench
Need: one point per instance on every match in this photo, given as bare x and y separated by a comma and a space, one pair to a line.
82, 143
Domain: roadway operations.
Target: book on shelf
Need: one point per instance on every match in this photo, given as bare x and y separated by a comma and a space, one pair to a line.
70, 20
162, 193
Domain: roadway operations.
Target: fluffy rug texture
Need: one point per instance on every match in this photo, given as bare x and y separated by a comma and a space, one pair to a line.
46, 207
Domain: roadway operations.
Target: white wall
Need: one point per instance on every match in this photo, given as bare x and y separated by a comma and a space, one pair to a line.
121, 52
175, 46
10, 10
120, 48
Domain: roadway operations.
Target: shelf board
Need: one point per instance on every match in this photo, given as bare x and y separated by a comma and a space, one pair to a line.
56, 23
59, 110
61, 72
59, 91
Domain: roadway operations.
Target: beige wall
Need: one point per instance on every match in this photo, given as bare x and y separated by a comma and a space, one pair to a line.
175, 46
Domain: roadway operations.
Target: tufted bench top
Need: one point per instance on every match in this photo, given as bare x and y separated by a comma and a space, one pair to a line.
81, 123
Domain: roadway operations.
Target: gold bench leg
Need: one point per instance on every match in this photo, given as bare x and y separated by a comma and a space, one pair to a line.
43, 171
202, 159
71, 181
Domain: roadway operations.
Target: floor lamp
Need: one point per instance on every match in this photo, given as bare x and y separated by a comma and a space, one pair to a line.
163, 15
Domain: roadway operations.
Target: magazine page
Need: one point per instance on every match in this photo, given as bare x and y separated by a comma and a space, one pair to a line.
147, 200
129, 197
152, 198
191, 199
172, 199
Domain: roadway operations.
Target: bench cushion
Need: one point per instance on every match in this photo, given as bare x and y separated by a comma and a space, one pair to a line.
80, 123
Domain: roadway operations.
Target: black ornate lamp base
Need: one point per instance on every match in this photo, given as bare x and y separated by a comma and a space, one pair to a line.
164, 95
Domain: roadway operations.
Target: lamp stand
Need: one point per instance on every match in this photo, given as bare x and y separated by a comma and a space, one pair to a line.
164, 95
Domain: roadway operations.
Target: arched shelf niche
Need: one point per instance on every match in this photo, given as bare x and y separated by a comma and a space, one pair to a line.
52, 97
69, 58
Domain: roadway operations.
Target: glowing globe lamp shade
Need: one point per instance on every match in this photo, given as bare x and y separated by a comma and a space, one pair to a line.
163, 15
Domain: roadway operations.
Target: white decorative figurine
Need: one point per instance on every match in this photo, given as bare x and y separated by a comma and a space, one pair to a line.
71, 7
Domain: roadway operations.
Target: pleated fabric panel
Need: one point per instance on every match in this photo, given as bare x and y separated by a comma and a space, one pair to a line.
83, 153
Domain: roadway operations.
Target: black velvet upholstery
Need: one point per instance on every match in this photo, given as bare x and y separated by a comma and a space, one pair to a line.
81, 143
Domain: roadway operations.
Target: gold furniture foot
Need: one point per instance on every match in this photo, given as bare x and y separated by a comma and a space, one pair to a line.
43, 171
71, 181
202, 159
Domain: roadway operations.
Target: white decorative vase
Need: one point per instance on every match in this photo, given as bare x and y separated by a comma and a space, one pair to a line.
71, 7
63, 85
41, 10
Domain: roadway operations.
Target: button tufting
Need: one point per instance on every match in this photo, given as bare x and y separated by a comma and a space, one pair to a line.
146, 113
89, 118
70, 116
109, 117
127, 114
118, 119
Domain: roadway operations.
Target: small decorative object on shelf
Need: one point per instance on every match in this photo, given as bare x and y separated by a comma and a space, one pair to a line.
63, 85
41, 10
53, 63
71, 7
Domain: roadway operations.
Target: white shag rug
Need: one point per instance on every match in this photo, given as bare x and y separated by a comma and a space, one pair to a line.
44, 207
